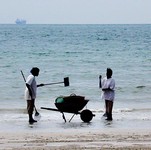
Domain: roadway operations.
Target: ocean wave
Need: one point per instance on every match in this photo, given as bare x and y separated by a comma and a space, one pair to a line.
13, 110
114, 111
102, 39
140, 86
133, 110
124, 110
75, 52
141, 109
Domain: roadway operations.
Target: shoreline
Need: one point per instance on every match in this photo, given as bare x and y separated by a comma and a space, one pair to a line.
128, 139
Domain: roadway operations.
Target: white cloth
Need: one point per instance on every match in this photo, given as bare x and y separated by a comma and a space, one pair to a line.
109, 94
32, 82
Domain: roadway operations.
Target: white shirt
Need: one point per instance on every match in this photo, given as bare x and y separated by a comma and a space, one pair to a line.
109, 94
32, 82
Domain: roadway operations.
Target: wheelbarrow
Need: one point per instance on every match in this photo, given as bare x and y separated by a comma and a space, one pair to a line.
72, 104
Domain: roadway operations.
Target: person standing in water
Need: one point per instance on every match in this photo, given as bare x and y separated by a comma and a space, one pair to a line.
31, 92
107, 84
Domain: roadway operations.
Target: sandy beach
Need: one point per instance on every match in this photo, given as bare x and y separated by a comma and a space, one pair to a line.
80, 140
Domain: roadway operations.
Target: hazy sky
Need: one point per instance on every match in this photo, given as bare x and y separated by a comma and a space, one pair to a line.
76, 11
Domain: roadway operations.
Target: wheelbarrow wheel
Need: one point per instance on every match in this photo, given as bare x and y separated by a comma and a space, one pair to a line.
86, 115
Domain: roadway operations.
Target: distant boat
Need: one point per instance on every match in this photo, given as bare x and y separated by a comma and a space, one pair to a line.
20, 21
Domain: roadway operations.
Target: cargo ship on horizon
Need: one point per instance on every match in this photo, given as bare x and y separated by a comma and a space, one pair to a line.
20, 21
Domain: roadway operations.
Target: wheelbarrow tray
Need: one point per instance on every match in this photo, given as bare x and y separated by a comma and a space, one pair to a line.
71, 104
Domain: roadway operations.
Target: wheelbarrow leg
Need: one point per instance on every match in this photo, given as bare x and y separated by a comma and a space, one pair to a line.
72, 117
63, 116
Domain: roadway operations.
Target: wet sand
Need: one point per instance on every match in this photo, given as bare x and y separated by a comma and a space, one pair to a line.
108, 139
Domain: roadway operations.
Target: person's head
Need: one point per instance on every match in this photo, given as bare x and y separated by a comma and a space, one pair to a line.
109, 73
35, 71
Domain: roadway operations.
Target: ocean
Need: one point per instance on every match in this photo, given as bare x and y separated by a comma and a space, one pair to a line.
82, 53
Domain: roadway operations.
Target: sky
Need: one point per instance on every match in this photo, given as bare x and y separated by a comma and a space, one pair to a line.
76, 11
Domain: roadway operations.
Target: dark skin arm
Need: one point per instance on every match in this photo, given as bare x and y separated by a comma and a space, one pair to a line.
100, 84
29, 89
107, 89
104, 89
39, 85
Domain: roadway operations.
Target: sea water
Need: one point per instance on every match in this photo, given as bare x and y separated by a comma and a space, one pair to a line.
82, 53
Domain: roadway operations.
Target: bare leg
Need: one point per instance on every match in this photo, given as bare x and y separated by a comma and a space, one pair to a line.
109, 109
30, 108
106, 106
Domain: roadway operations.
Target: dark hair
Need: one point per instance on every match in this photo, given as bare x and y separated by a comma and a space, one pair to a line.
109, 70
34, 70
